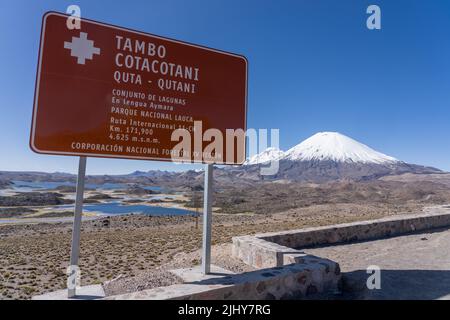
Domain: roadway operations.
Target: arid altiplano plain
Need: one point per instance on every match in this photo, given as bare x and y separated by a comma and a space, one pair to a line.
137, 250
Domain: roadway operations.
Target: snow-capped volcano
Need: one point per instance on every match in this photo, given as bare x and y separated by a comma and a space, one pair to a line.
267, 155
330, 156
336, 147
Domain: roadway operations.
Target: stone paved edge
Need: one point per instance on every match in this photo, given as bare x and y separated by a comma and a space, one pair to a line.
277, 248
293, 281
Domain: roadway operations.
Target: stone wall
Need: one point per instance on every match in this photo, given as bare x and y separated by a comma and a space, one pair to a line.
285, 271
294, 281
280, 248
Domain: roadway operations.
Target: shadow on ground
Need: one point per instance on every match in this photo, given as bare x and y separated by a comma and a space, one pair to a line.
398, 285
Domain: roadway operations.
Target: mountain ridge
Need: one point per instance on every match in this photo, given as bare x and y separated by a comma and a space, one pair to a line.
330, 156
325, 156
325, 146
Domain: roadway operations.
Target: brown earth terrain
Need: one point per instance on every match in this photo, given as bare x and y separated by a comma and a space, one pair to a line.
139, 249
33, 258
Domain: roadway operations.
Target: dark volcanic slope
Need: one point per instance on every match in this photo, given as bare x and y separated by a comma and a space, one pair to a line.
323, 171
297, 171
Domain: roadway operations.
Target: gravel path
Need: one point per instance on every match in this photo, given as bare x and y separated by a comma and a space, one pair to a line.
415, 266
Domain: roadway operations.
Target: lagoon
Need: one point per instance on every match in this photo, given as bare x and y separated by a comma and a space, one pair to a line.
116, 208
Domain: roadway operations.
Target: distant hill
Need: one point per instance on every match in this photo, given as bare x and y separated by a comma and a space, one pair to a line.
324, 157
328, 156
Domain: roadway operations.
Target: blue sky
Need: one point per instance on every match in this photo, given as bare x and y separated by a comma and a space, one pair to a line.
313, 66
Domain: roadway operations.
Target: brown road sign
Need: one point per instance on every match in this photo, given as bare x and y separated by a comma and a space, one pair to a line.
107, 91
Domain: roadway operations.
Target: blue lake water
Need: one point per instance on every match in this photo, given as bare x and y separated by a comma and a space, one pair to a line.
106, 208
115, 208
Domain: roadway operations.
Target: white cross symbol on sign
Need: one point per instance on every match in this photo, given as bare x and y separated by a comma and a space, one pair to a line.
82, 48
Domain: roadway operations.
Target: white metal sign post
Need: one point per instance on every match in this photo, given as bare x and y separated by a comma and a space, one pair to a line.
207, 217
75, 251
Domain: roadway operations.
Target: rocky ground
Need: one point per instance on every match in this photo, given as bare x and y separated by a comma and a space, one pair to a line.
281, 196
34, 199
33, 258
136, 251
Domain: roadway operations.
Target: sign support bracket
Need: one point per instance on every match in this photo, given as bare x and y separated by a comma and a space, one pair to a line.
75, 250
207, 219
